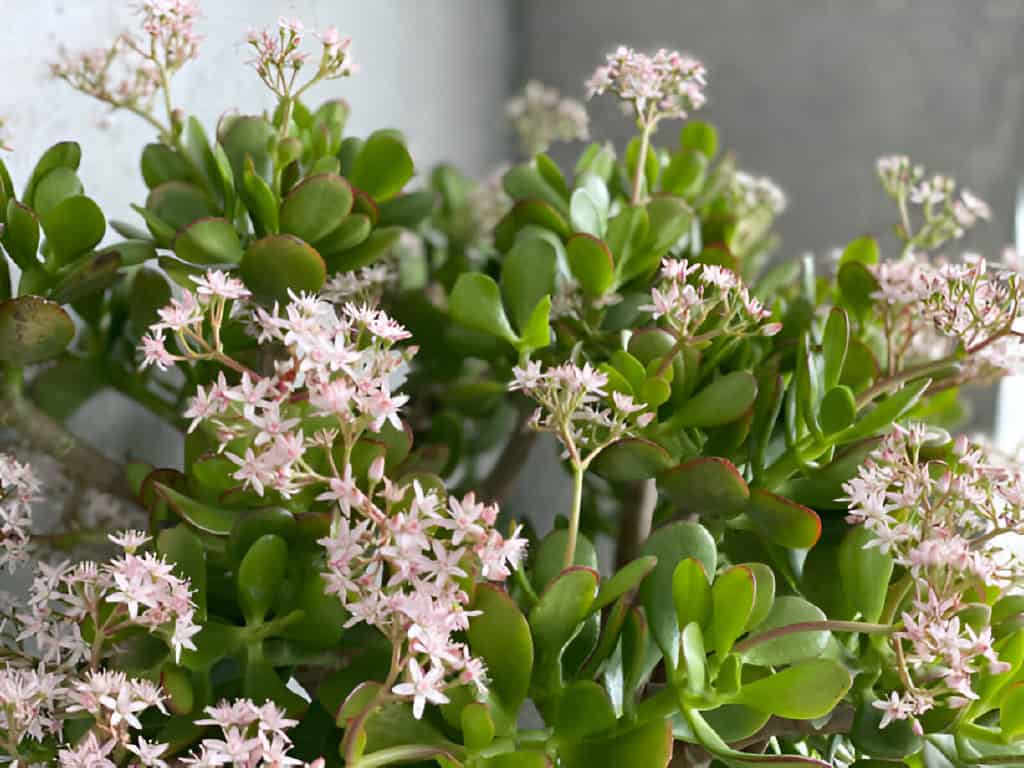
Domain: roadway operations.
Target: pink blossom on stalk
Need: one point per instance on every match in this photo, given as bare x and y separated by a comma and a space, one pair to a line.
19, 489
666, 84
541, 116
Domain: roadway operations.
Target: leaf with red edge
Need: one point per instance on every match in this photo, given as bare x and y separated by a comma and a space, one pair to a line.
783, 521
707, 485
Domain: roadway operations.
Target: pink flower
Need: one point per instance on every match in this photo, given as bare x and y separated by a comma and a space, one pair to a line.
421, 688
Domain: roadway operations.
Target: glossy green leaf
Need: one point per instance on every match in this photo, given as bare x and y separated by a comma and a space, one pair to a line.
835, 341
247, 140
73, 227
798, 646
176, 683
92, 273
701, 136
556, 617
150, 291
315, 207
160, 164
54, 188
857, 285
536, 334
500, 635
476, 303
353, 230
208, 241
323, 617
648, 745
63, 154
894, 742
524, 759
670, 218
408, 210
732, 600
588, 207
838, 409
204, 517
783, 521
379, 242
382, 167
887, 412
722, 401
548, 559
33, 329
764, 593
591, 264
180, 546
711, 741
707, 485
261, 683
626, 579
672, 544
61, 389
632, 459
259, 576
863, 250
527, 275
21, 234
865, 572
803, 691
691, 593
694, 659
260, 200
524, 182
584, 710
277, 263
477, 726
684, 175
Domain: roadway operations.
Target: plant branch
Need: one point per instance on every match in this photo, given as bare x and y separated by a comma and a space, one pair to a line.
497, 485
80, 459
813, 626
636, 520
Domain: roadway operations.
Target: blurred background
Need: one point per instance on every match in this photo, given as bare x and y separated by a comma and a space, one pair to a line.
806, 93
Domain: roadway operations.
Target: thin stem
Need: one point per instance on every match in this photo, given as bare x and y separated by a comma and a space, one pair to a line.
641, 163
907, 374
813, 626
637, 519
404, 754
574, 517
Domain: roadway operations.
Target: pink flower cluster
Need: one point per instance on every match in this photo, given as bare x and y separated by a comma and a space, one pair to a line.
942, 214
278, 56
709, 299
752, 193
253, 736
397, 558
666, 84
945, 521
19, 488
170, 29
931, 308
541, 116
576, 406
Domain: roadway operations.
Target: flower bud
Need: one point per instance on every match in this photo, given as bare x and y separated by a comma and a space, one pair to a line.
376, 471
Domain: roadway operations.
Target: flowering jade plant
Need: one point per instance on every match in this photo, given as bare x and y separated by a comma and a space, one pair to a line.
811, 571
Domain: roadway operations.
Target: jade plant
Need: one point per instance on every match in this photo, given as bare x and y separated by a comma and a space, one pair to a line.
809, 569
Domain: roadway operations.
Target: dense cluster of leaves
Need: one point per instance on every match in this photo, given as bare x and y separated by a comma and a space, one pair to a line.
749, 628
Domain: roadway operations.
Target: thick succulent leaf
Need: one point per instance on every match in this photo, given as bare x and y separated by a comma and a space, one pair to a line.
591, 263
865, 571
783, 521
208, 241
73, 228
803, 691
632, 459
315, 207
722, 401
626, 579
33, 329
787, 649
500, 635
382, 167
260, 575
279, 263
707, 485
648, 745
476, 303
527, 276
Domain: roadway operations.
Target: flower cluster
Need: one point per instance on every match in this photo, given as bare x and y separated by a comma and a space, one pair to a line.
131, 71
30, 703
702, 301
751, 193
278, 57
576, 406
5, 139
19, 488
930, 308
253, 736
943, 516
397, 557
943, 214
541, 116
667, 84
364, 285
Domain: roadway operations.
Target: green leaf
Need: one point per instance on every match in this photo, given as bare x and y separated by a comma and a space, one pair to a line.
701, 136
838, 409
180, 546
382, 167
732, 599
74, 227
886, 413
527, 276
208, 241
894, 742
260, 200
672, 544
21, 234
863, 250
798, 646
33, 329
353, 230
857, 284
764, 594
369, 250
247, 141
1011, 712
584, 710
548, 559
711, 741
626, 579
160, 164
707, 485
214, 642
670, 218
783, 521
588, 207
722, 401
315, 207
63, 154
557, 616
477, 726
323, 616
525, 759
648, 746
247, 528
524, 182
260, 575
536, 333
802, 692
204, 517
408, 210
865, 572
62, 388
150, 291
176, 683
821, 489
476, 303
54, 188
591, 264
631, 459
694, 659
691, 593
500, 635
178, 204
273, 265
685, 173
92, 273
261, 683
835, 342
